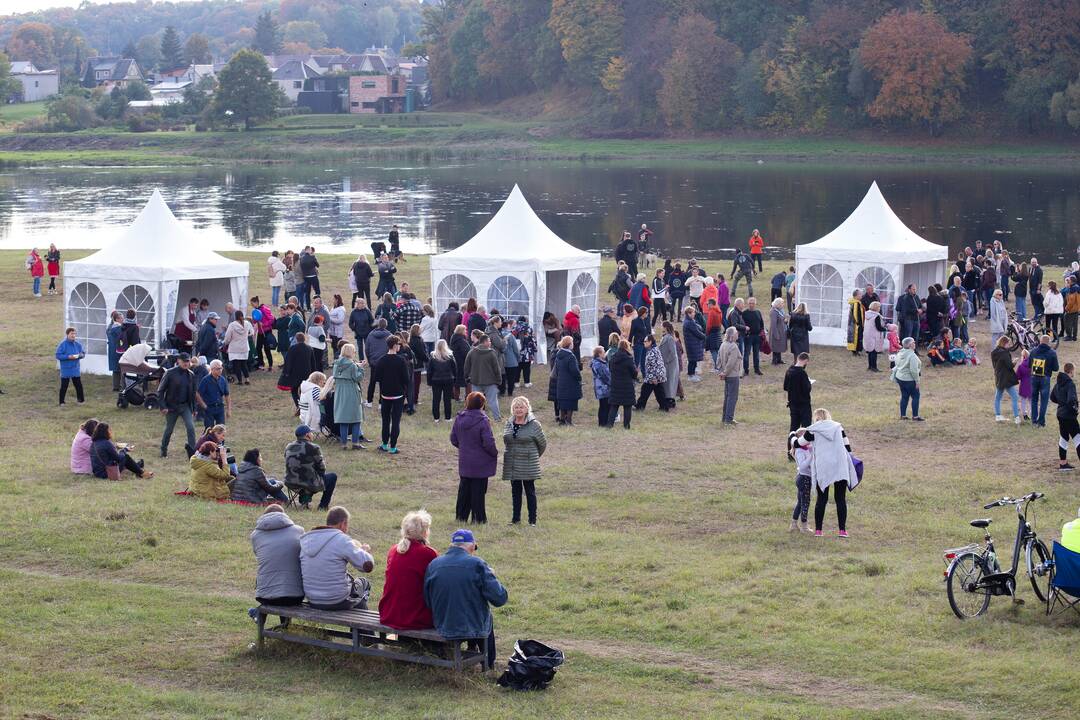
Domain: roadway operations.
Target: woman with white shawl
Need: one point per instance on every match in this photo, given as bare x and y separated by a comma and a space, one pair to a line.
831, 466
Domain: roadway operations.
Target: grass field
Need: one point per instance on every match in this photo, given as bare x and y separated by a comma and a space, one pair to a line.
662, 563
431, 136
11, 115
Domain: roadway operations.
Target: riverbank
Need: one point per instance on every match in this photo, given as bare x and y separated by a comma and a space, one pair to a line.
440, 137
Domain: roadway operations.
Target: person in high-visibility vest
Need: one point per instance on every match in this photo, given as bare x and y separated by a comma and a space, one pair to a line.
1070, 534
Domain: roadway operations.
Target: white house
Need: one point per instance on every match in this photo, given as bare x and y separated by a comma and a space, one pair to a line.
36, 84
290, 77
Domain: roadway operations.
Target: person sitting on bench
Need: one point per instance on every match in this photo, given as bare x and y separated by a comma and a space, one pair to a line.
325, 555
276, 542
402, 604
305, 471
458, 587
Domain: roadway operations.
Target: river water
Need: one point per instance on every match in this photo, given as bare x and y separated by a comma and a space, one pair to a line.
695, 208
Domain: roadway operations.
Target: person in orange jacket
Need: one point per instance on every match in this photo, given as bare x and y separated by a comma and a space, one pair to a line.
757, 247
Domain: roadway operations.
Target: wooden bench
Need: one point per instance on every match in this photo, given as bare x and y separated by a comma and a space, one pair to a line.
367, 636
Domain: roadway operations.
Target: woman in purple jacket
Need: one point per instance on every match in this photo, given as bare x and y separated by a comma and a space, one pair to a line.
477, 457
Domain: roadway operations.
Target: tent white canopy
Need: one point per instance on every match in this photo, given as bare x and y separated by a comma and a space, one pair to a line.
517, 265
154, 261
873, 246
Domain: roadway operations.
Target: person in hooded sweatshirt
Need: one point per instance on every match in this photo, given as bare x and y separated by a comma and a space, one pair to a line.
831, 466
276, 543
1064, 395
325, 555
477, 458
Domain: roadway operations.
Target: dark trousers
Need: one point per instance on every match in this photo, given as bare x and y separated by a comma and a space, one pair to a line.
262, 348
295, 392
358, 597
239, 369
757, 258
909, 391
871, 360
470, 499
311, 287
840, 496
170, 423
660, 312
526, 372
800, 417
415, 394
130, 464
802, 500
441, 393
691, 367
775, 292
909, 328
751, 344
513, 375
529, 486
329, 483
475, 645
648, 389
213, 415
627, 413
639, 356
363, 291
391, 420
77, 382
602, 412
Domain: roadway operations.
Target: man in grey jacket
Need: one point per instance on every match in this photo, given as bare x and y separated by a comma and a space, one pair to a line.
483, 368
276, 542
325, 555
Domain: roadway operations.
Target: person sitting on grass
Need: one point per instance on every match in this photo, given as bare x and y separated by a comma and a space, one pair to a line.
937, 354
210, 478
305, 471
402, 605
105, 454
957, 356
252, 484
80, 448
276, 542
325, 555
458, 587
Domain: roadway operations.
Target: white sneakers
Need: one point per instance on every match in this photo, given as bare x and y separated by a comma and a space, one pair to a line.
1000, 418
1016, 419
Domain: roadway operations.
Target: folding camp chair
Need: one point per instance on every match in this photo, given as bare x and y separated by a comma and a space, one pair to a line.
1065, 581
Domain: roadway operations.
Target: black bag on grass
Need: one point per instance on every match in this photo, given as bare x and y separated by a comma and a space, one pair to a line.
532, 666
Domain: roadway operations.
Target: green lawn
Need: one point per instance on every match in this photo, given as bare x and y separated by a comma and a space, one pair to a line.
662, 563
11, 115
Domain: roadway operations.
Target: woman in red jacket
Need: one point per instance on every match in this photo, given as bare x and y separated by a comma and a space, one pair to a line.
402, 605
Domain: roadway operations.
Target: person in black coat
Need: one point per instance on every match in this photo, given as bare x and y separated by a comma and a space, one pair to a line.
361, 322
442, 371
607, 324
391, 373
362, 274
639, 328
621, 394
937, 309
448, 321
567, 372
299, 364
207, 342
460, 346
1064, 394
799, 327
797, 385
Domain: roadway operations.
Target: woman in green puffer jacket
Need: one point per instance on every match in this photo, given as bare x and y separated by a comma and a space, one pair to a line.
525, 443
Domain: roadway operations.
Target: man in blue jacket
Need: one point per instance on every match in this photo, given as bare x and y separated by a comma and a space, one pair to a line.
458, 587
207, 343
1044, 363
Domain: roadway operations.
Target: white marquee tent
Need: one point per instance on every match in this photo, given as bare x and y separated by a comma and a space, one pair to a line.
154, 261
517, 265
873, 246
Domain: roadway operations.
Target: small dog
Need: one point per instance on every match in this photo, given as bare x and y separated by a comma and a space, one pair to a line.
648, 259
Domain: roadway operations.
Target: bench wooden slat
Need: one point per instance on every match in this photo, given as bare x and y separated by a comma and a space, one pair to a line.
360, 619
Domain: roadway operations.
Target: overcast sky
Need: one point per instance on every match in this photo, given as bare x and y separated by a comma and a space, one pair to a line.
17, 6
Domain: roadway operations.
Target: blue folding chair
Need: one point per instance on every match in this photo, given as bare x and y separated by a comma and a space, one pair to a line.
1065, 581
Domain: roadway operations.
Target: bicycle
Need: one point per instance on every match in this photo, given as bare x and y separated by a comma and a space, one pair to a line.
1026, 333
974, 574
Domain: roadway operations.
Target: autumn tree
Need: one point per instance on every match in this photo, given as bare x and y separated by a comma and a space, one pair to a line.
246, 91
197, 50
590, 34
695, 95
1065, 106
8, 85
172, 51
33, 41
267, 35
920, 65
304, 31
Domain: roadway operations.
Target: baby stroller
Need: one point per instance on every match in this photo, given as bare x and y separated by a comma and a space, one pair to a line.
135, 388
1064, 571
328, 429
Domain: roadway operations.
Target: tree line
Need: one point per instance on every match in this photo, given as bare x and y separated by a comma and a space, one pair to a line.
793, 65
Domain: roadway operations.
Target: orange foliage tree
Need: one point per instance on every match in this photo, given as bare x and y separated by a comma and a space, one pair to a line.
921, 68
696, 89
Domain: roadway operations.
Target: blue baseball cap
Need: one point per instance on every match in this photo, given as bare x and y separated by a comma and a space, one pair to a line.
462, 536
302, 431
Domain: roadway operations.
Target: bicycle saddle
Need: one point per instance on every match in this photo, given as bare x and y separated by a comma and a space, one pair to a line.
984, 522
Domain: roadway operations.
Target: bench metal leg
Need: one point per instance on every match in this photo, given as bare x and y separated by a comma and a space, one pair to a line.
484, 649
261, 620
457, 656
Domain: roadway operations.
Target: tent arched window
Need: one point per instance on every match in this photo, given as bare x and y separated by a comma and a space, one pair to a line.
884, 286
822, 289
454, 288
87, 314
583, 294
136, 297
508, 295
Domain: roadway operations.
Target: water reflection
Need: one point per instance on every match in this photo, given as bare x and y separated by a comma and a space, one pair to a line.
694, 208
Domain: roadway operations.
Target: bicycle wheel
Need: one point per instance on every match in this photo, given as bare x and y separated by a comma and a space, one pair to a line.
1040, 570
965, 600
1014, 340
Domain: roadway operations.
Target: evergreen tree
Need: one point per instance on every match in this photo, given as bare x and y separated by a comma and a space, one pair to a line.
267, 35
172, 52
130, 51
246, 91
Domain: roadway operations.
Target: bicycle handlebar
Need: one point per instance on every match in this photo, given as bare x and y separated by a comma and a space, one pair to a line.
1013, 501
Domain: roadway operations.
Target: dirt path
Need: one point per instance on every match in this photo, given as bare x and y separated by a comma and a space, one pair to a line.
782, 680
